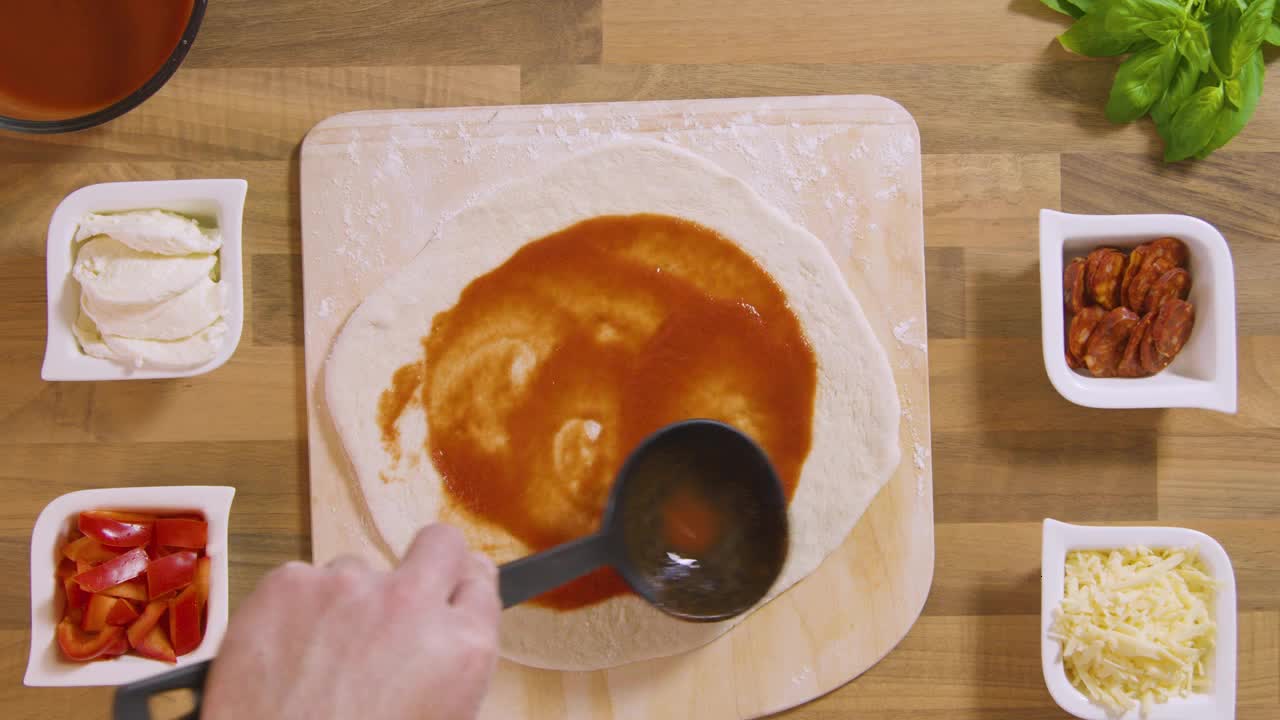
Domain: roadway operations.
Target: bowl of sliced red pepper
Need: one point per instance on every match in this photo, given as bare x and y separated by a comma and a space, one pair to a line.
127, 583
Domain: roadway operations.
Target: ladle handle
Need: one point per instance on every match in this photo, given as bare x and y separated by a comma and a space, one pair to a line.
132, 700
531, 576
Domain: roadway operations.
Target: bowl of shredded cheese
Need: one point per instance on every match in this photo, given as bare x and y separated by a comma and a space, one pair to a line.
1138, 623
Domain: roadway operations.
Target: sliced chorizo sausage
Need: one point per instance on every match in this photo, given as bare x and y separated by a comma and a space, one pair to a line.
1081, 327
1073, 297
1153, 267
1131, 362
1171, 249
1136, 258
1172, 285
1104, 270
1108, 341
1151, 360
1172, 327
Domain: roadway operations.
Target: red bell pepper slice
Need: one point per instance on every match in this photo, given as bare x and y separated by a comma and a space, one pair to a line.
171, 572
77, 598
135, 517
149, 618
155, 645
184, 621
66, 568
95, 616
130, 590
88, 550
203, 569
108, 529
119, 646
77, 644
115, 571
154, 549
122, 613
182, 533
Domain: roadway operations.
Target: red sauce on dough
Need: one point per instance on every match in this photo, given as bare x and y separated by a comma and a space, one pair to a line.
66, 58
552, 367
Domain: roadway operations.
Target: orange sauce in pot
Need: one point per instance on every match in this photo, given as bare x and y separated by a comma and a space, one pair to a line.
65, 58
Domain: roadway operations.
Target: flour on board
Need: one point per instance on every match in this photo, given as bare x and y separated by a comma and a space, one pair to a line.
902, 331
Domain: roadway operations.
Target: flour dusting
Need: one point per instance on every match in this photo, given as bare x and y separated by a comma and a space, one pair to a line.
907, 335
828, 176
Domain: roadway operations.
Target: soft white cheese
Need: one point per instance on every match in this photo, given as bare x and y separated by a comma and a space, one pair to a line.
188, 352
1135, 625
178, 317
89, 338
147, 293
116, 273
152, 231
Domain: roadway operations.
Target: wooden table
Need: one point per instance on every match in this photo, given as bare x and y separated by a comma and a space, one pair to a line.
1010, 123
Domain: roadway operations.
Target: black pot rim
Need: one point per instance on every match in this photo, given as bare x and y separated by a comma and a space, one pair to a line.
124, 105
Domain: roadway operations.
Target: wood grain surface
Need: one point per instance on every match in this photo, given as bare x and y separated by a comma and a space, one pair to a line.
1009, 124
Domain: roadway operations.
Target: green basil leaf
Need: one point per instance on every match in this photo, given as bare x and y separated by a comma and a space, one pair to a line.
1213, 6
1164, 31
1140, 82
1222, 32
1114, 27
1231, 89
1254, 23
1065, 7
1122, 15
1160, 20
1089, 36
1232, 121
1194, 45
1193, 126
1185, 82
1273, 34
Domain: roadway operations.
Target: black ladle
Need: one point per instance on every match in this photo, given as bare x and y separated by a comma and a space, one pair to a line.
729, 476
722, 468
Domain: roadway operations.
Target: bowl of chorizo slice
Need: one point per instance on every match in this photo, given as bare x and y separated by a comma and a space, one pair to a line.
1153, 310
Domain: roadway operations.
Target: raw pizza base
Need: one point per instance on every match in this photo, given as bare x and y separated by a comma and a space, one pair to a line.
856, 412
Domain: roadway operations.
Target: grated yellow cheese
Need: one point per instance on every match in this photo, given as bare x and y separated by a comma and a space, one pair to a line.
1135, 625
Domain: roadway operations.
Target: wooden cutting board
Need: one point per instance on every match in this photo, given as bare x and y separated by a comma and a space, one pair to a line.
375, 185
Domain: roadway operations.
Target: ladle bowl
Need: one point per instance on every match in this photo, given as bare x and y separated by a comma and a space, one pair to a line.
696, 524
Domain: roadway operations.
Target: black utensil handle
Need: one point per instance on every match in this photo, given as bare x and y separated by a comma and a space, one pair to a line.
529, 577
131, 699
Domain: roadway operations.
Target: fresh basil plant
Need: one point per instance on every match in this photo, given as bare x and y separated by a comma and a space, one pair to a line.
1194, 66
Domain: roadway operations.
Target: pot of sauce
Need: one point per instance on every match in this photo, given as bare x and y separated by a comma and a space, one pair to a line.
67, 65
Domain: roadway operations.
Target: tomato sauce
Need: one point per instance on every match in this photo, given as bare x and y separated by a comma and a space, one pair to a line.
65, 58
552, 367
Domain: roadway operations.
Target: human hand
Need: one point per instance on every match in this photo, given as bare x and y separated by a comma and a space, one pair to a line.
347, 641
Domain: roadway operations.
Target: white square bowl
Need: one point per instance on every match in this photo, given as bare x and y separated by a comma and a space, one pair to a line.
219, 200
1203, 375
45, 665
1060, 538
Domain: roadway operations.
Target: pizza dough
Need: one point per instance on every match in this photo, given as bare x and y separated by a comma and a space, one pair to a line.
856, 410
